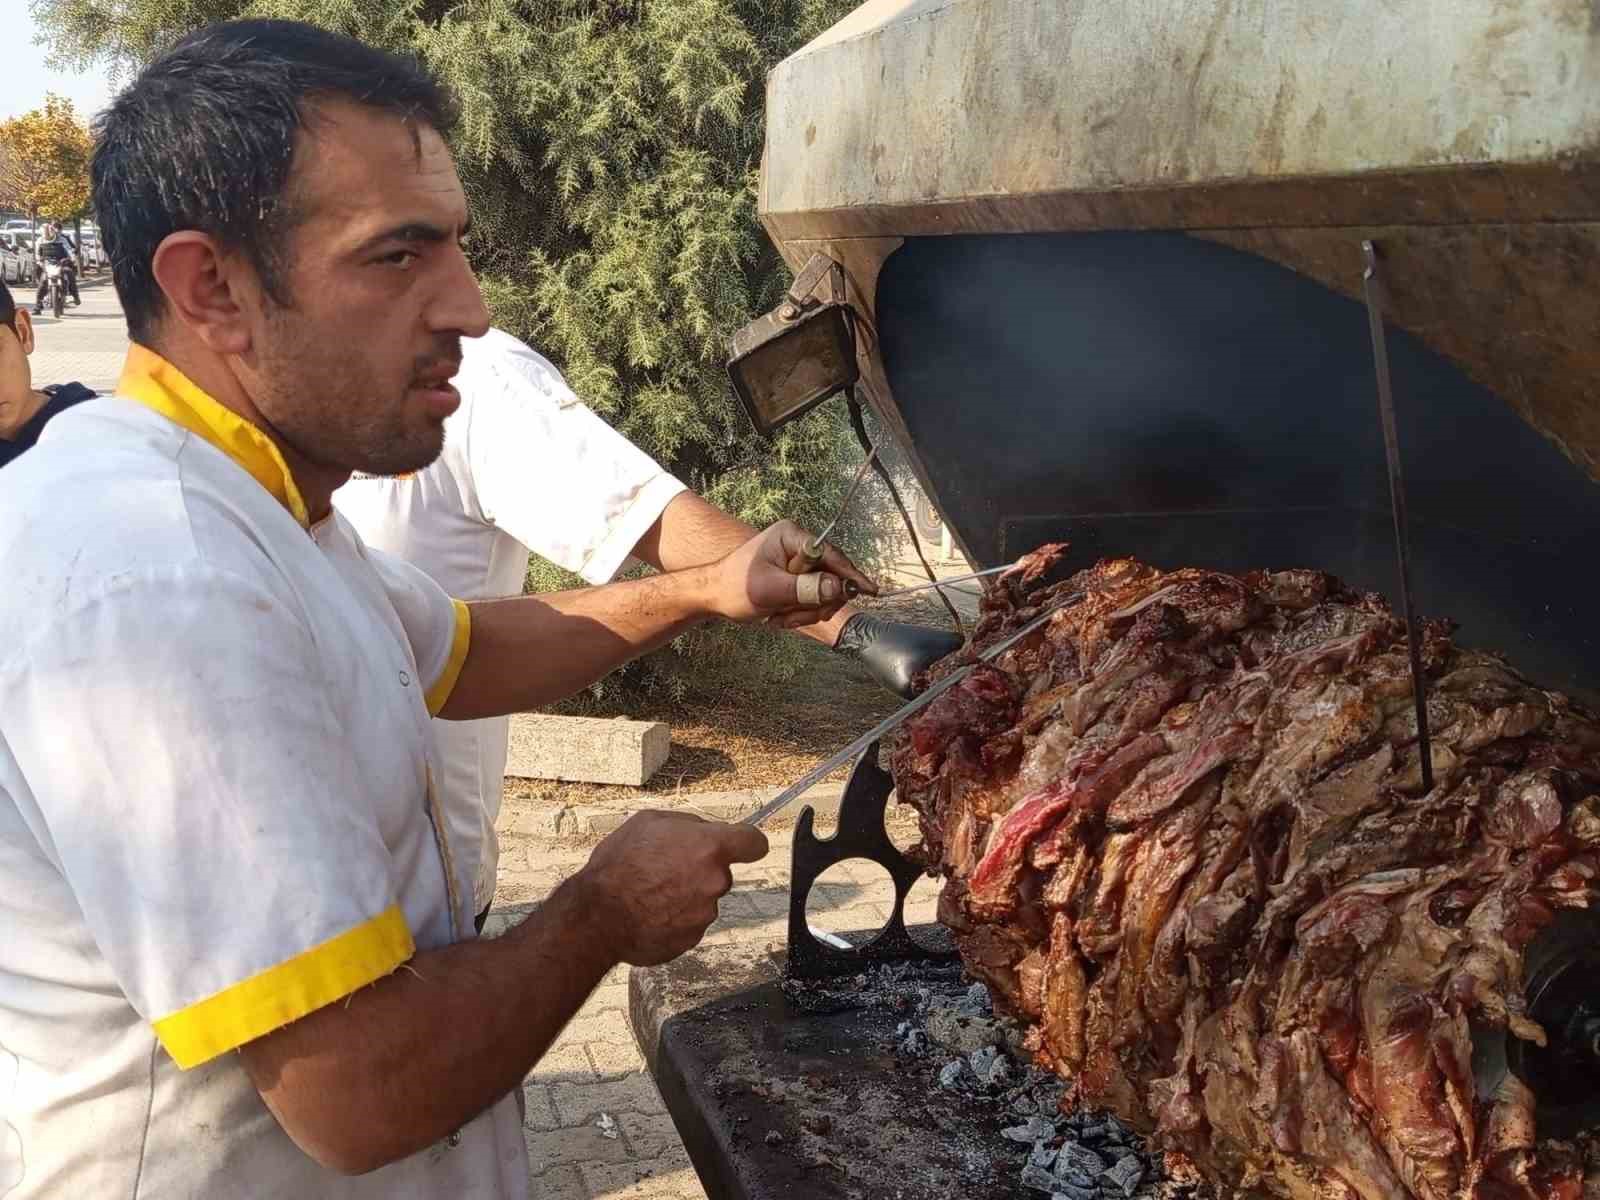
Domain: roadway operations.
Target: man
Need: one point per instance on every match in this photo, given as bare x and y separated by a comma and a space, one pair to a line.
56, 246
528, 468
237, 957
24, 410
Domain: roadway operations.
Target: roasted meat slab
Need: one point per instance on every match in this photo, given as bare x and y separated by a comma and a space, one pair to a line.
1185, 840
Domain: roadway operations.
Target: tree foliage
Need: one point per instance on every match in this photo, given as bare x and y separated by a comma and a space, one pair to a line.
44, 161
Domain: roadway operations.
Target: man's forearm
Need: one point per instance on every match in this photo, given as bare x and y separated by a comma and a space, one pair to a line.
692, 531
418, 1054
531, 651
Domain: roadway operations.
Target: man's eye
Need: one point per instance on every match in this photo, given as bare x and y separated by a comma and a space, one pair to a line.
400, 258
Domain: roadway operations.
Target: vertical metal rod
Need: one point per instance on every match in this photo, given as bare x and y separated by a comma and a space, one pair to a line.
1373, 289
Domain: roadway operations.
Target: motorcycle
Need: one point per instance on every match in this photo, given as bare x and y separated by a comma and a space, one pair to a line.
55, 280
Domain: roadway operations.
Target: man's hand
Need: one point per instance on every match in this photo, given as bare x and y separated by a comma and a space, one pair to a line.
656, 881
754, 582
398, 1065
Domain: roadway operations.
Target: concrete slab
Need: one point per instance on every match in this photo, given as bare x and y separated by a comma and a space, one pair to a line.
586, 749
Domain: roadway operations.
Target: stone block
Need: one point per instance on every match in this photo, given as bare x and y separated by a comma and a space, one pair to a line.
586, 749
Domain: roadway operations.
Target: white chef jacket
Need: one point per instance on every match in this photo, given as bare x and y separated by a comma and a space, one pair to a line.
215, 804
526, 467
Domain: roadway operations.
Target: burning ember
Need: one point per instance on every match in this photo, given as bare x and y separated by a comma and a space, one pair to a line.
1186, 845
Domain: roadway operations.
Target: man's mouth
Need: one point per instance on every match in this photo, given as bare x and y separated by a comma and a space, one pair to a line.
435, 387
436, 377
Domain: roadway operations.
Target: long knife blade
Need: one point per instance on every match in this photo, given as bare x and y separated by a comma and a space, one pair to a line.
831, 764
1373, 289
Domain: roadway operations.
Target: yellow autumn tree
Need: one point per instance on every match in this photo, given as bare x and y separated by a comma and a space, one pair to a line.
44, 162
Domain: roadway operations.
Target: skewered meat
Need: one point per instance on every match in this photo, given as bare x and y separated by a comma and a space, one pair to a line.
1185, 840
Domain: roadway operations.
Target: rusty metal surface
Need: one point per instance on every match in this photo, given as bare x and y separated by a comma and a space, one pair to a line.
911, 101
1493, 193
775, 1101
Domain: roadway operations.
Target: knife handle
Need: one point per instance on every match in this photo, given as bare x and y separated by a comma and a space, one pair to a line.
808, 558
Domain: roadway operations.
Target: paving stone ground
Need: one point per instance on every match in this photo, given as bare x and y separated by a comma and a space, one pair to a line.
595, 1067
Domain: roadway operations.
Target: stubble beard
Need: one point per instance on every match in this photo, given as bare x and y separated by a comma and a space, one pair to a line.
323, 405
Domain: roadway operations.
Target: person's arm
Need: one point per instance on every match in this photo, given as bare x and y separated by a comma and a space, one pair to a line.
532, 650
363, 1083
691, 531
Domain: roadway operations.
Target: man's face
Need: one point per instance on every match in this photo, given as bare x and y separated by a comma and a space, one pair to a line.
354, 372
16, 381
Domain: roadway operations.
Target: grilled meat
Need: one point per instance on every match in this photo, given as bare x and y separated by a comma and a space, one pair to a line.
1185, 840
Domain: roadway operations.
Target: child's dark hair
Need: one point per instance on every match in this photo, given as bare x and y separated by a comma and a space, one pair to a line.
8, 308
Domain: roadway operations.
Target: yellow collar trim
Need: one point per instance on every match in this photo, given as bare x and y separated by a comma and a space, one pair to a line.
157, 384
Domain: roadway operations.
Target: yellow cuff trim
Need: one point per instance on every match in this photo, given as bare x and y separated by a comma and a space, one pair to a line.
439, 693
157, 384
273, 998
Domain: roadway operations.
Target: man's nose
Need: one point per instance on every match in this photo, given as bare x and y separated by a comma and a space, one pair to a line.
460, 308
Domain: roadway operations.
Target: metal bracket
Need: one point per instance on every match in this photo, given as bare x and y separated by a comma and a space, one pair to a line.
801, 291
860, 834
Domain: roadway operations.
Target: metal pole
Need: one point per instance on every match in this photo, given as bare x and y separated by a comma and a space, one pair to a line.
1373, 289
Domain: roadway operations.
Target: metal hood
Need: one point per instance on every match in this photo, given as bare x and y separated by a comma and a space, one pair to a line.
1106, 259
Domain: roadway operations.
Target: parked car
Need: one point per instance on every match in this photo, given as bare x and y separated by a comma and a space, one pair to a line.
90, 252
16, 258
10, 262
23, 240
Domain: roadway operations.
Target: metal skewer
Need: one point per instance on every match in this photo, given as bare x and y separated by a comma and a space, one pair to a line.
813, 548
850, 589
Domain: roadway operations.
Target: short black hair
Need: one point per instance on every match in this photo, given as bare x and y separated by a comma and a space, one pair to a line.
204, 138
8, 307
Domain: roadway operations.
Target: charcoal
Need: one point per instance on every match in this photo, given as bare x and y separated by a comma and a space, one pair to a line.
1126, 1174
982, 1061
1030, 1131
1038, 1179
999, 1072
1080, 1158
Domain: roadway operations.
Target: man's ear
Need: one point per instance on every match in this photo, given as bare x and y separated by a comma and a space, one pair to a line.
204, 290
23, 323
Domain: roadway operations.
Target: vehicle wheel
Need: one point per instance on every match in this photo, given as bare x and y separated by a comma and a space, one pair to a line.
58, 302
